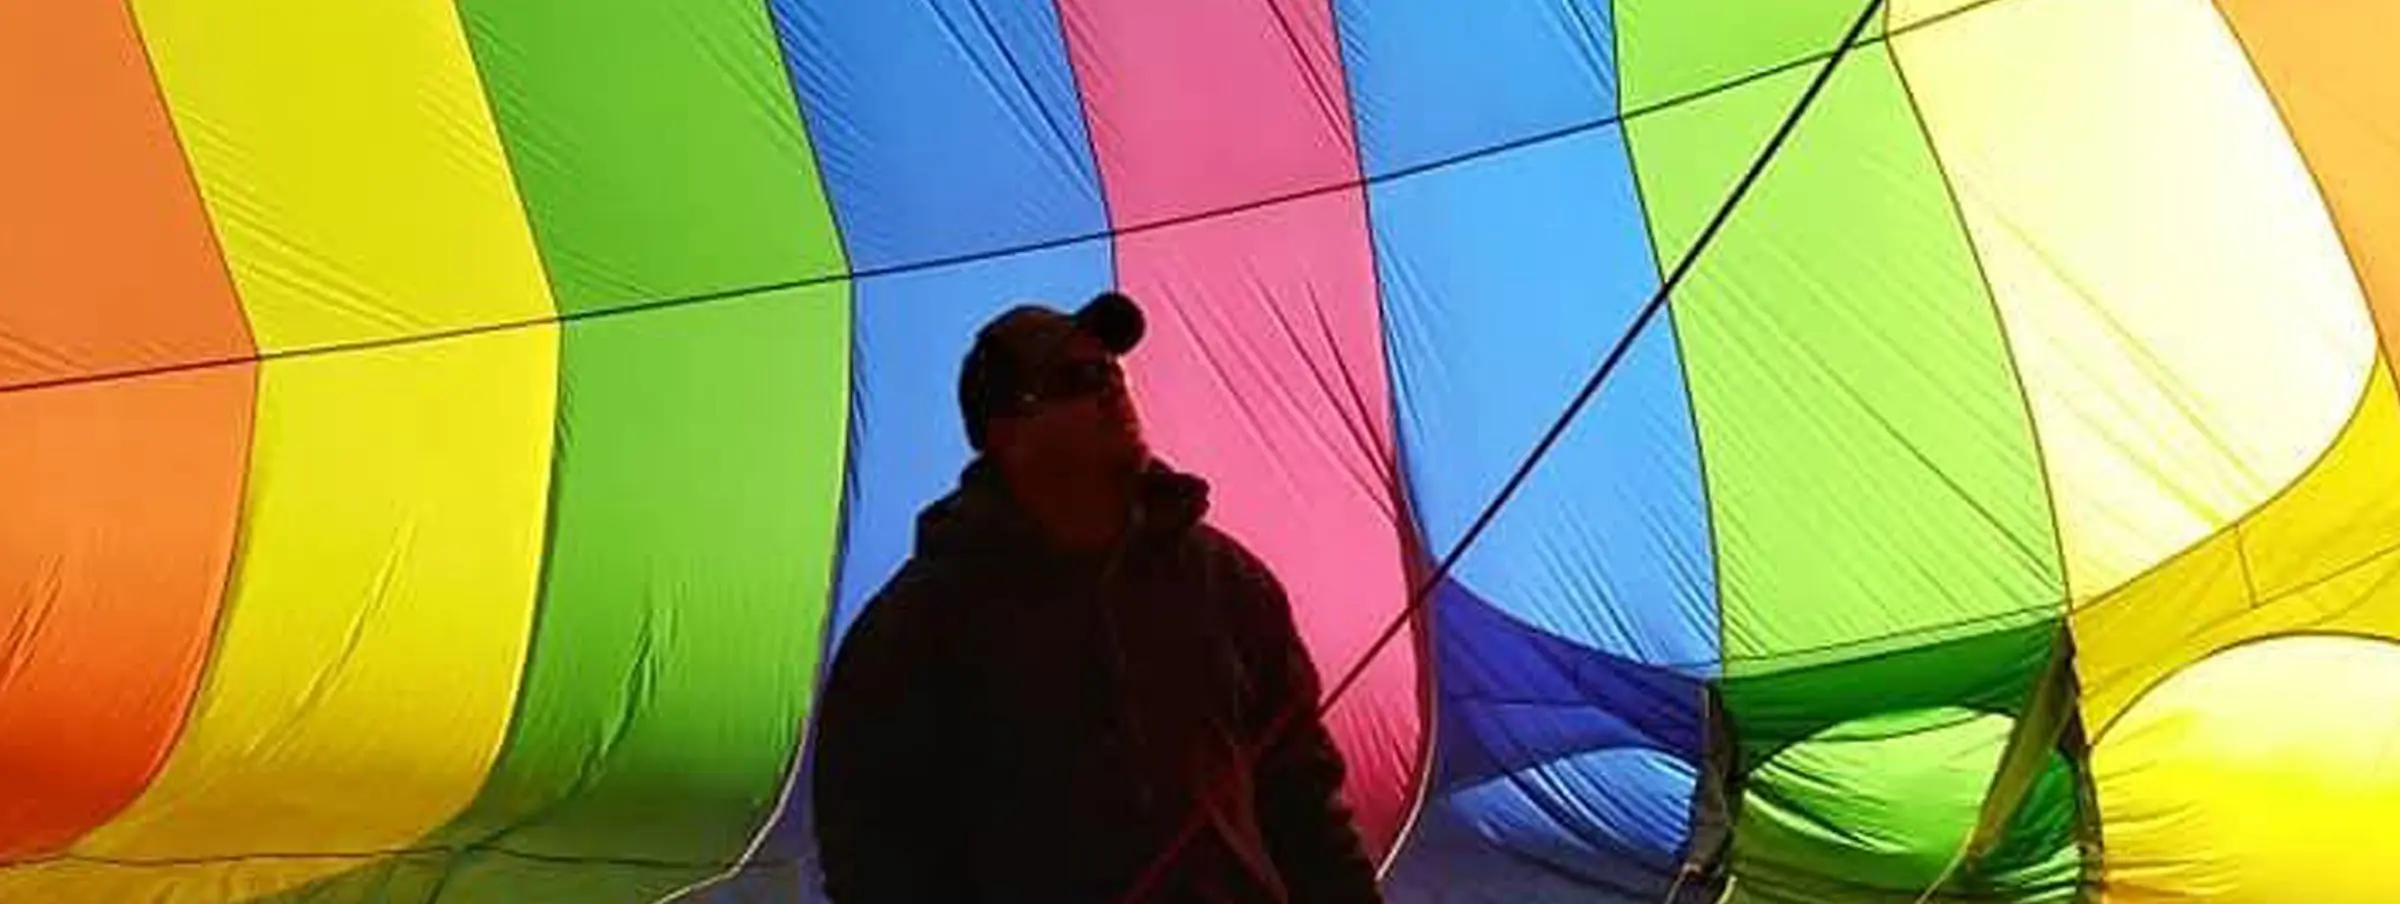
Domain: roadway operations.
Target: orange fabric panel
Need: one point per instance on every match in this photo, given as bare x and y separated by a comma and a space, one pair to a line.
121, 500
120, 495
2329, 66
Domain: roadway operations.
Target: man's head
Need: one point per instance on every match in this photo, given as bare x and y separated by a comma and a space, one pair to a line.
1042, 390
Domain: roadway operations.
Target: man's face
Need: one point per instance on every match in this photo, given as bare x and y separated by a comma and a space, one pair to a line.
1082, 417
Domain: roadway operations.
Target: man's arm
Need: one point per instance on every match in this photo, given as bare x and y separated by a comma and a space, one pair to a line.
882, 836
1308, 825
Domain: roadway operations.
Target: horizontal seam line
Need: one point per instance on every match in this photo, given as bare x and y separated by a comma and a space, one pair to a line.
1440, 163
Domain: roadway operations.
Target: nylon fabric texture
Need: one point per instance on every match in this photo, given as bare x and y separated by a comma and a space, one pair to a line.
443, 442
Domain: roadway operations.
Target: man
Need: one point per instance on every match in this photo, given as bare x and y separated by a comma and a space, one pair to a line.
1073, 666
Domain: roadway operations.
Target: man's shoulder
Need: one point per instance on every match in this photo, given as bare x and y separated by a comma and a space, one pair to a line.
1217, 545
915, 595
1226, 555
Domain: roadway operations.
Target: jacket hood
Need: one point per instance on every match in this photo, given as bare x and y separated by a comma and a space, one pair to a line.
980, 517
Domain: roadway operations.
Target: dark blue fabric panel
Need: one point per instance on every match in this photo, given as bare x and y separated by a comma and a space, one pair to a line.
1512, 697
1507, 841
1560, 773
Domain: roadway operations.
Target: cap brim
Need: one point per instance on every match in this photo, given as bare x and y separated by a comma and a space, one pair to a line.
1114, 319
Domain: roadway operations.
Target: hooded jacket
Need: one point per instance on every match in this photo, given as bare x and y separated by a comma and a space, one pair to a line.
1010, 723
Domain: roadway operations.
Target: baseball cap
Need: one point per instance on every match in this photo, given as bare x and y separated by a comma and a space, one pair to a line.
1013, 349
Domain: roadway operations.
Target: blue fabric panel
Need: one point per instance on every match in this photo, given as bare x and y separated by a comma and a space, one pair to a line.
1432, 80
944, 128
1572, 640
1505, 280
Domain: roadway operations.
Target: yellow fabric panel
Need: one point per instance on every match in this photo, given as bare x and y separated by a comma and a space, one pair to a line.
2348, 512
2135, 635
2267, 774
2305, 552
2361, 600
377, 625
350, 163
2187, 325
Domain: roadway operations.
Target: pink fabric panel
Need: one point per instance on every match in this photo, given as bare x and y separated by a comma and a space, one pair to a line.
1264, 368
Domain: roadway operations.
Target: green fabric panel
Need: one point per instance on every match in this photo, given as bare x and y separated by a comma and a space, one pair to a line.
700, 453
1995, 672
1683, 47
1871, 466
1869, 813
658, 146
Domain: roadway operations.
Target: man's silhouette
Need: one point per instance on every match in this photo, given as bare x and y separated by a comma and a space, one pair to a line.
1072, 664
